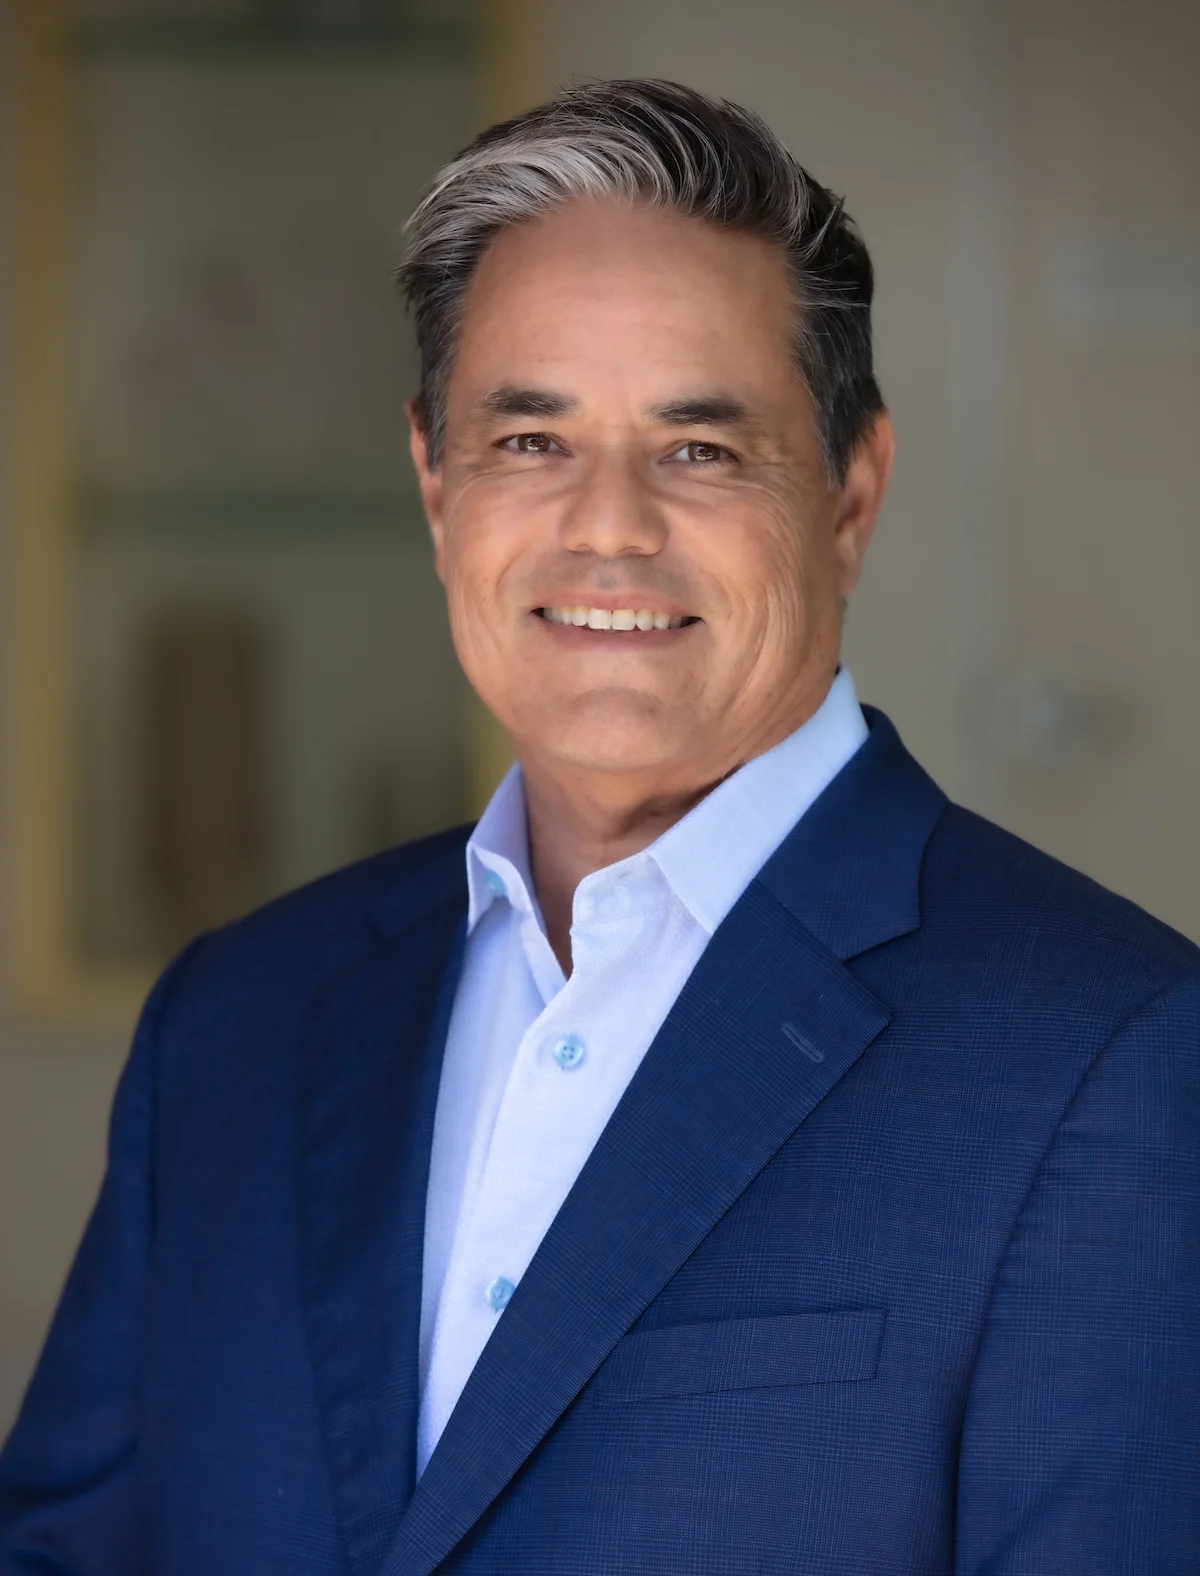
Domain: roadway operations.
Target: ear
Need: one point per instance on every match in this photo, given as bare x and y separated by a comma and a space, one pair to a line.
861, 498
429, 480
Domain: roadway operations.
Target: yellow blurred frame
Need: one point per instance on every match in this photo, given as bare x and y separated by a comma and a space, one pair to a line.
51, 979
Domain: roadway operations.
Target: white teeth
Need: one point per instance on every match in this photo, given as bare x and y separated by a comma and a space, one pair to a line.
621, 618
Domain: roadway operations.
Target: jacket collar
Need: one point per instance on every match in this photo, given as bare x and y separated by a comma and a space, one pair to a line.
849, 871
428, 883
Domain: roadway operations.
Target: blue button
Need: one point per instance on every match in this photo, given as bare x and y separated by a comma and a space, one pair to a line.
568, 1052
495, 884
499, 1293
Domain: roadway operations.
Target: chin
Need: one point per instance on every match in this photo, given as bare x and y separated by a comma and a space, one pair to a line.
607, 743
611, 755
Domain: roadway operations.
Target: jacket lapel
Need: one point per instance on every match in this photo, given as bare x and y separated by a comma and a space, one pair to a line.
770, 1020
850, 869
369, 1070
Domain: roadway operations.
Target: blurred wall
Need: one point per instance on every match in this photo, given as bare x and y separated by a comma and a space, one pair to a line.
1027, 615
55, 1085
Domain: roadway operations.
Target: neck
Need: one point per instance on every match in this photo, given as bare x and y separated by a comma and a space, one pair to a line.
581, 824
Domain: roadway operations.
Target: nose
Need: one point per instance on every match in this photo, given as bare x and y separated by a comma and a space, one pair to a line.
612, 511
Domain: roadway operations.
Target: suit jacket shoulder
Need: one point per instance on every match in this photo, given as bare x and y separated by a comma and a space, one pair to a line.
1042, 927
276, 957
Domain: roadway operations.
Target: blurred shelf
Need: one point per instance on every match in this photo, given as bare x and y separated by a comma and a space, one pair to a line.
186, 40
222, 516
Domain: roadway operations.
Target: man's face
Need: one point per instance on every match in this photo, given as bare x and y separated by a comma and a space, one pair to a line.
628, 441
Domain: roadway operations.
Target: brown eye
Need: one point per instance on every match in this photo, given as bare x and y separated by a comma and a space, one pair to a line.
530, 443
700, 453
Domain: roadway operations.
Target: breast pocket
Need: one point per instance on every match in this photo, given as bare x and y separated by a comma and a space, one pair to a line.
834, 1346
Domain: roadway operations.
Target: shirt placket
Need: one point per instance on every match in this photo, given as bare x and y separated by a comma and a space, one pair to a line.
559, 1069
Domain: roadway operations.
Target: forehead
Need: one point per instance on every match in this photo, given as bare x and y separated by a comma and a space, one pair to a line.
614, 294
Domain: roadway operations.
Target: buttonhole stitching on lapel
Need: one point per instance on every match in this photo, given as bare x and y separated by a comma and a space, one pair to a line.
792, 1033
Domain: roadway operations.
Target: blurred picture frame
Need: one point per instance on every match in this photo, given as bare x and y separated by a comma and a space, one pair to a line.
232, 665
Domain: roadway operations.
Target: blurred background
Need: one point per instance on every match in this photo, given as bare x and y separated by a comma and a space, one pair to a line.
225, 666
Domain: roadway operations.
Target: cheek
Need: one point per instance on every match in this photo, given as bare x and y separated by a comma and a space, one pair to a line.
767, 570
483, 548
463, 572
477, 550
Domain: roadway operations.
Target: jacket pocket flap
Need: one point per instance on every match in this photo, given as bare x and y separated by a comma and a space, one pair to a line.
829, 1347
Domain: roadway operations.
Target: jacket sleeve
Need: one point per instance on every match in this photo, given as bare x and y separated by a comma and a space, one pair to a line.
68, 1473
1081, 1442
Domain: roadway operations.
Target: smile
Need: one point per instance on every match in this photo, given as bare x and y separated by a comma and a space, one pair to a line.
620, 618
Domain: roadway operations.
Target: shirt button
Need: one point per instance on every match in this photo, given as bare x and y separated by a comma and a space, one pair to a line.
568, 1052
499, 1293
495, 884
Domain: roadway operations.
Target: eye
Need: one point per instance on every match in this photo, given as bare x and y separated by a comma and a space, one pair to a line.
531, 443
699, 453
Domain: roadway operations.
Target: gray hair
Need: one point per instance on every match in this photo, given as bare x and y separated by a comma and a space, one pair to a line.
667, 145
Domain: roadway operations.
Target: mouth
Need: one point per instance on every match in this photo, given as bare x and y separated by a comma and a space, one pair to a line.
623, 620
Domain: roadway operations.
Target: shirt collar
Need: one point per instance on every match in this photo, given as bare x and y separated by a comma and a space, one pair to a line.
498, 852
711, 855
715, 851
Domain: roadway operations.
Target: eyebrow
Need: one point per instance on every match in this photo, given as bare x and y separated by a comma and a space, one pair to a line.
703, 410
512, 401
692, 410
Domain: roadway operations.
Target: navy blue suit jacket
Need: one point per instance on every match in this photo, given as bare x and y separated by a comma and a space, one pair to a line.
887, 1262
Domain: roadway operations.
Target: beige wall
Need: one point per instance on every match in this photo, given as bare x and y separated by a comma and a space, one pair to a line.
1105, 543
1028, 612
54, 1097
55, 1086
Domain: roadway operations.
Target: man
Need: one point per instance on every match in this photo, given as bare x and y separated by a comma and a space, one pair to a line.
740, 1159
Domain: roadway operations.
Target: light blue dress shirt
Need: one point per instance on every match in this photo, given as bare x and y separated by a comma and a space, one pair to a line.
535, 1063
